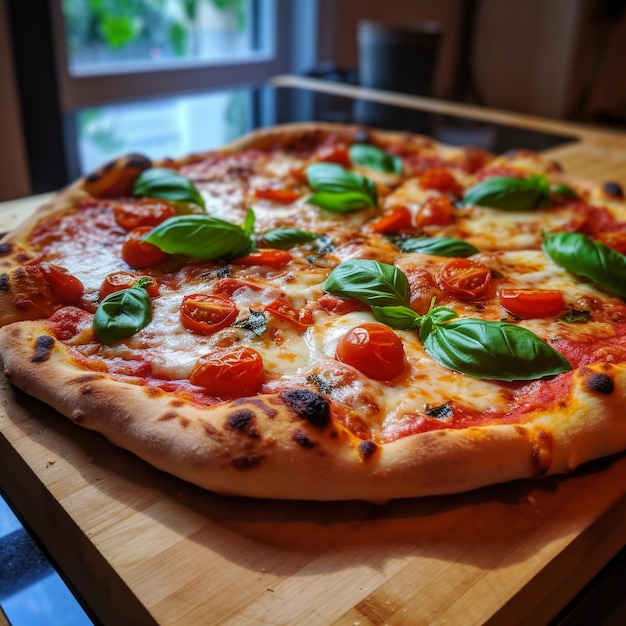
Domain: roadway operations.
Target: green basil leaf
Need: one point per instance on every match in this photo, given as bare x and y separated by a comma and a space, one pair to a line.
201, 237
248, 223
586, 257
370, 156
341, 202
256, 322
331, 178
371, 282
123, 313
563, 190
491, 350
400, 317
160, 182
285, 238
505, 192
439, 246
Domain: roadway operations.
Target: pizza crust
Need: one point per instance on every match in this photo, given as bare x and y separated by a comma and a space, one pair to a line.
288, 446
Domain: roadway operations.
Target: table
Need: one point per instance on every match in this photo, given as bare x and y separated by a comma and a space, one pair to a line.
142, 547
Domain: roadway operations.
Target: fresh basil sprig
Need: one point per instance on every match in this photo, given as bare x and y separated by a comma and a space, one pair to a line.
478, 348
286, 238
202, 237
160, 182
508, 192
587, 257
339, 190
439, 246
373, 157
123, 313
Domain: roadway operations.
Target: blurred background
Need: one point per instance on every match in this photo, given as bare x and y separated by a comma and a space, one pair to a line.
85, 80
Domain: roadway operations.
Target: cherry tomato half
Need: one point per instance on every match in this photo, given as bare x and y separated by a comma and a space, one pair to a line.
265, 256
373, 349
230, 372
340, 306
530, 303
64, 285
440, 179
207, 313
123, 280
230, 286
282, 196
465, 279
334, 154
139, 253
299, 319
146, 212
398, 220
615, 239
435, 211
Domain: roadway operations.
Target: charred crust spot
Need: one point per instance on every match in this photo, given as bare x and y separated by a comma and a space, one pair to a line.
78, 416
166, 417
138, 161
541, 453
88, 378
240, 420
309, 406
212, 432
600, 383
259, 403
22, 257
184, 421
302, 439
87, 390
247, 462
43, 347
6, 248
613, 189
367, 448
5, 283
176, 402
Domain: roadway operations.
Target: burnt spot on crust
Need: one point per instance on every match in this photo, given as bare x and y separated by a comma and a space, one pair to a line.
140, 161
5, 282
259, 403
212, 432
78, 416
166, 417
43, 348
600, 383
6, 248
240, 420
309, 406
88, 378
176, 402
613, 189
302, 439
247, 462
367, 448
541, 452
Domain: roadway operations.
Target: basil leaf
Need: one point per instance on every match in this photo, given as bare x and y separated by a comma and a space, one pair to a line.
371, 282
248, 223
505, 192
123, 313
563, 190
586, 257
400, 317
255, 322
491, 350
439, 246
201, 237
353, 191
344, 202
370, 156
160, 182
285, 238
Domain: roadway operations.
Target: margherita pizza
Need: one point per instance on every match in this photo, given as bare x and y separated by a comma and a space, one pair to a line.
328, 312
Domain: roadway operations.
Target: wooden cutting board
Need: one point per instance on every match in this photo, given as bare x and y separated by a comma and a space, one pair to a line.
143, 547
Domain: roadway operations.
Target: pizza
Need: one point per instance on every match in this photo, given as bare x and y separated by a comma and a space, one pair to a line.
327, 312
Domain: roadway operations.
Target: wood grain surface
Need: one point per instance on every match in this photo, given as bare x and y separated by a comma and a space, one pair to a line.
143, 547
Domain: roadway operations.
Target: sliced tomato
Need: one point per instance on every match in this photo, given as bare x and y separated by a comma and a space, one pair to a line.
65, 286
265, 256
207, 313
373, 349
117, 281
282, 196
398, 220
139, 253
615, 239
465, 279
334, 154
230, 372
435, 211
145, 212
340, 306
300, 319
530, 303
228, 286
440, 179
